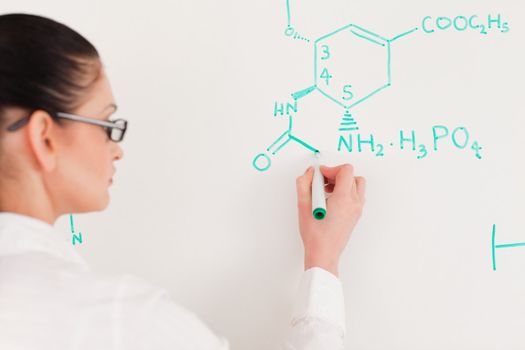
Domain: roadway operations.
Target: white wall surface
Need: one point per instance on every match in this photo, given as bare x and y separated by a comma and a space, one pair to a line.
198, 80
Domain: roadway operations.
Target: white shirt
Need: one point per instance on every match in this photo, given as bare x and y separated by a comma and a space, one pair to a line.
50, 299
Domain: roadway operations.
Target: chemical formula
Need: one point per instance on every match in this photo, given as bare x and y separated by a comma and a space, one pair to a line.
334, 51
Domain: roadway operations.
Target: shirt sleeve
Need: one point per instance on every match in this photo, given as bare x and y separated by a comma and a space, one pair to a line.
144, 317
318, 321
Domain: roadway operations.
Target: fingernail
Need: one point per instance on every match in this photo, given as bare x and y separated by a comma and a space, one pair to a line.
308, 169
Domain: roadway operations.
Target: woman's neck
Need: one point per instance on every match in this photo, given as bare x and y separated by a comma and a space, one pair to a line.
26, 198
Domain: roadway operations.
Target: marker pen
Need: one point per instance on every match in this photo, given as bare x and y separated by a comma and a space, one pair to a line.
318, 195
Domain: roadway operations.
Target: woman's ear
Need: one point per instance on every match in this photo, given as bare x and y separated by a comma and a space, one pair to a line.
42, 140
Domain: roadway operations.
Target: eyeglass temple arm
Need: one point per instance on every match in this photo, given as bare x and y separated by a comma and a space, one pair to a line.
88, 120
17, 125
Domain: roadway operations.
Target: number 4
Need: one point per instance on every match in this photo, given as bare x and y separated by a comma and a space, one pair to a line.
326, 76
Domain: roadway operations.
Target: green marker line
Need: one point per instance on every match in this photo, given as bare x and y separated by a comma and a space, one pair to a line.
334, 32
371, 33
331, 98
281, 146
288, 12
367, 38
348, 129
279, 139
370, 95
403, 34
71, 221
348, 123
388, 63
493, 248
304, 144
300, 94
350, 119
315, 65
510, 245
498, 246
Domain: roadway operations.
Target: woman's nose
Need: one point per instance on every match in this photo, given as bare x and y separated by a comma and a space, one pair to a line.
118, 152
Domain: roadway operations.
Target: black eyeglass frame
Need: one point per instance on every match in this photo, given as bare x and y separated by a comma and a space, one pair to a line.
108, 125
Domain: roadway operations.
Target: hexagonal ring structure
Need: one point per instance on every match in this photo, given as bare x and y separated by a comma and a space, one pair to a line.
349, 77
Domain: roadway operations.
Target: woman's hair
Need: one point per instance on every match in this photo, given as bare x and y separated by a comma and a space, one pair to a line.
43, 64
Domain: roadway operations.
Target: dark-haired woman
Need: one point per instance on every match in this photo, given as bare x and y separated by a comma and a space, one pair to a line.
55, 99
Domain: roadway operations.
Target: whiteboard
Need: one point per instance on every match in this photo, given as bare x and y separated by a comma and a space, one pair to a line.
200, 82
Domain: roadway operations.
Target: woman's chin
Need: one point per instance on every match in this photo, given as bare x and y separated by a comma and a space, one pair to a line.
105, 201
102, 202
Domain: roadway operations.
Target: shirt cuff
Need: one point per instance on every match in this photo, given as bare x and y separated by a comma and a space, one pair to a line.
321, 296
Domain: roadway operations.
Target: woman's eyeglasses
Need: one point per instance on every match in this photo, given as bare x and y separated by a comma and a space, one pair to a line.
115, 129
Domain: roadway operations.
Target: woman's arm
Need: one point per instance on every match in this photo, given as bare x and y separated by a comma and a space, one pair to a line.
318, 320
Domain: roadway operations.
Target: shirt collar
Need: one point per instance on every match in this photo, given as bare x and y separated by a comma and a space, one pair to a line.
21, 233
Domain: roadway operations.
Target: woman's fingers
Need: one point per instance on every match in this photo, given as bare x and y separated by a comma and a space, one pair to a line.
342, 177
329, 187
304, 189
360, 184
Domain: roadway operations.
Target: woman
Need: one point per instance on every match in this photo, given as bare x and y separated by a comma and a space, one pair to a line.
55, 99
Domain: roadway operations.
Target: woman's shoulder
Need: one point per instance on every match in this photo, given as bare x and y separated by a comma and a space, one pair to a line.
82, 303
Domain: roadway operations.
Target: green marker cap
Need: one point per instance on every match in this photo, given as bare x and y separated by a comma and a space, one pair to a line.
319, 213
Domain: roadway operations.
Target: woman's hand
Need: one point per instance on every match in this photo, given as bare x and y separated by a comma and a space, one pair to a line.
324, 240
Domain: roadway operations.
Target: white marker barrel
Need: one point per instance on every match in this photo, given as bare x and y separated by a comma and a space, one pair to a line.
318, 195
